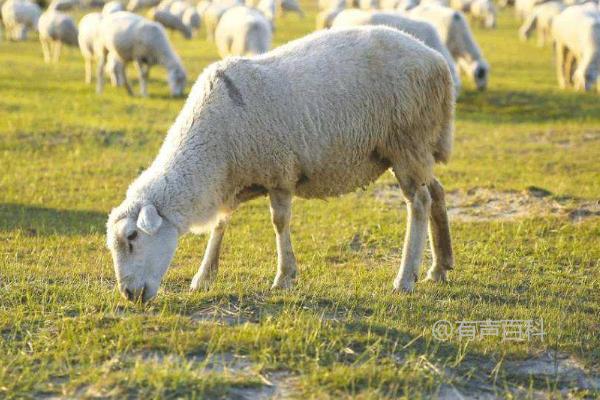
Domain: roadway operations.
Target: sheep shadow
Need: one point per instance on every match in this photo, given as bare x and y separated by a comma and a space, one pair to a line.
510, 106
42, 221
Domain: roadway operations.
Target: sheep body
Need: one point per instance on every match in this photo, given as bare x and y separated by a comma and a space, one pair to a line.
483, 12
243, 31
576, 34
20, 16
63, 5
55, 29
255, 126
128, 37
423, 31
455, 33
134, 5
212, 15
169, 21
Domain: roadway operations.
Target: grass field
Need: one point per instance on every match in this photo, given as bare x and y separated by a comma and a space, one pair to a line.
67, 156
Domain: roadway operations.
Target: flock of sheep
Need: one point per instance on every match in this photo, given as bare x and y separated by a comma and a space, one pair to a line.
115, 37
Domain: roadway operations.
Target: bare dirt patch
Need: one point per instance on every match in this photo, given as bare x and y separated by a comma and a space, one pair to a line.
482, 204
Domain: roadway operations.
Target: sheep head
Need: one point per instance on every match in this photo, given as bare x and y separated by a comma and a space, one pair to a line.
142, 244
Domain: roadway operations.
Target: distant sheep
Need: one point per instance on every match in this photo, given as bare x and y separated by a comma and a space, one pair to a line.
63, 5
255, 127
243, 31
135, 5
325, 18
331, 4
128, 37
187, 14
212, 15
268, 8
55, 29
285, 6
421, 30
88, 33
483, 12
112, 7
19, 16
169, 21
576, 34
541, 19
455, 33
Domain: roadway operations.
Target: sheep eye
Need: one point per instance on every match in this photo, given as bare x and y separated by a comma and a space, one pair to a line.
132, 235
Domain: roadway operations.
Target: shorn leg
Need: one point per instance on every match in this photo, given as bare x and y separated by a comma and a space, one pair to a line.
281, 212
418, 204
439, 234
45, 49
207, 273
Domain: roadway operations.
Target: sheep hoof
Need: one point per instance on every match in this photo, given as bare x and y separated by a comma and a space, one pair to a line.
283, 282
202, 282
404, 286
436, 274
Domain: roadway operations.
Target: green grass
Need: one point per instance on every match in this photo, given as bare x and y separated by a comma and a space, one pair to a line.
67, 156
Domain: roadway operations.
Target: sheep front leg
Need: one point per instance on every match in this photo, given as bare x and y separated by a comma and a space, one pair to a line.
418, 203
88, 70
207, 273
100, 72
122, 77
45, 50
143, 70
439, 234
281, 212
57, 46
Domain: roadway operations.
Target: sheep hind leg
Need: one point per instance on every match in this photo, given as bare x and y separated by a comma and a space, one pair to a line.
143, 74
207, 273
281, 212
45, 50
439, 234
57, 46
560, 54
418, 204
88, 70
122, 77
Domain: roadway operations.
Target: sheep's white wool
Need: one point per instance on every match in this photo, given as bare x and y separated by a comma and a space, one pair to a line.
88, 33
128, 37
243, 31
576, 34
540, 19
255, 126
483, 12
455, 33
421, 30
56, 28
20, 16
112, 7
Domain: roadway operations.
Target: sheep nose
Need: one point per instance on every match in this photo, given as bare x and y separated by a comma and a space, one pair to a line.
136, 294
129, 294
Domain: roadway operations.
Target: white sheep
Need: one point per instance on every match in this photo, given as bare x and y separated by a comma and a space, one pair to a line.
19, 16
55, 29
112, 7
269, 9
243, 31
523, 8
285, 6
169, 21
540, 18
423, 31
212, 15
88, 29
255, 126
483, 12
455, 33
134, 5
128, 37
188, 14
63, 5
576, 34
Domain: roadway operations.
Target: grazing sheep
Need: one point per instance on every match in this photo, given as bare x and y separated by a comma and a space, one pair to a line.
368, 4
55, 29
285, 6
331, 4
201, 7
243, 31
326, 17
423, 31
461, 5
188, 14
576, 34
88, 32
19, 16
211, 17
134, 5
455, 33
112, 7
523, 8
128, 37
541, 19
254, 127
483, 12
63, 5
169, 21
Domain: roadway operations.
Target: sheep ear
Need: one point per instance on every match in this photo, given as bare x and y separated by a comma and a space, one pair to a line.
149, 221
